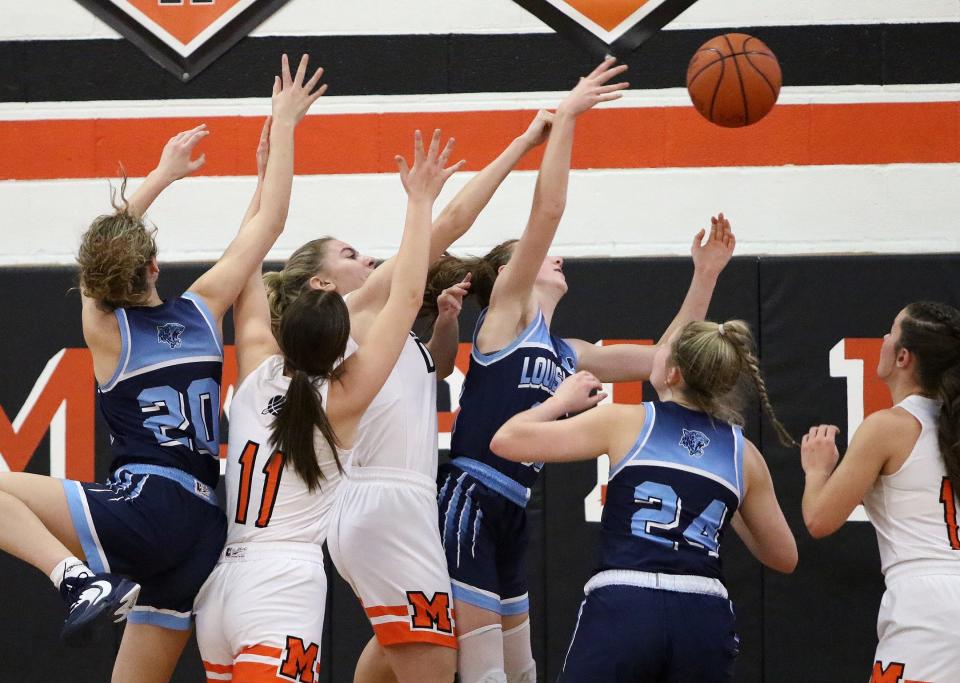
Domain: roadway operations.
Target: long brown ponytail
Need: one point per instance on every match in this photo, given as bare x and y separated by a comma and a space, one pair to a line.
931, 332
314, 329
713, 359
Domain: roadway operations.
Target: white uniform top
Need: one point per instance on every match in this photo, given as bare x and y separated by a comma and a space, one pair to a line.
907, 508
399, 429
259, 508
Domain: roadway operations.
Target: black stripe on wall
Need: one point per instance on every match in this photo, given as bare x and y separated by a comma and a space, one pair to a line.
82, 70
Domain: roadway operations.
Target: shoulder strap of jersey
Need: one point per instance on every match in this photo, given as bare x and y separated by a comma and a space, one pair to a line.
536, 326
211, 321
649, 419
124, 324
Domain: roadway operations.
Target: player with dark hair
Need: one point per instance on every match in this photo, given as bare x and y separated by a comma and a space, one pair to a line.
260, 615
903, 463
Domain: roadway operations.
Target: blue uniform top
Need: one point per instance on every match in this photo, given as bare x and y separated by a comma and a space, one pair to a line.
162, 404
499, 385
669, 500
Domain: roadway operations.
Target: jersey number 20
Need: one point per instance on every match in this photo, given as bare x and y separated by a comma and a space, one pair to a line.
664, 514
271, 482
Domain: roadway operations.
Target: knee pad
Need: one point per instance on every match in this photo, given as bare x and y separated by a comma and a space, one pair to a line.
519, 664
480, 658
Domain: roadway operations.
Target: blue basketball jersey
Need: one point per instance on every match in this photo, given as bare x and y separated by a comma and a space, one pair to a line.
498, 386
162, 404
669, 500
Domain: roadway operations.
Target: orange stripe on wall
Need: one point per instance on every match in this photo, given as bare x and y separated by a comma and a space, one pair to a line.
665, 137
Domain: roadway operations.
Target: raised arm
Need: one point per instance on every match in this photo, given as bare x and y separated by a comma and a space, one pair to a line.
460, 214
631, 362
175, 163
367, 369
511, 295
253, 335
760, 522
292, 97
445, 339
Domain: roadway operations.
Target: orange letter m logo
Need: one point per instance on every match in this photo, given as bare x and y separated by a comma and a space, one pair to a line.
299, 662
432, 614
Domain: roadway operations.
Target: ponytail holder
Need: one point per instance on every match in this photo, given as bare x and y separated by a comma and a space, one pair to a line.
720, 329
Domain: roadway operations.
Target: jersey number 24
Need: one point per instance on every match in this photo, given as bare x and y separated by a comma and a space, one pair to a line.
662, 512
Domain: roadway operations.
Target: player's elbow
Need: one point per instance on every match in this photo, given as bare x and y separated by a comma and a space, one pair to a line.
505, 444
786, 561
818, 527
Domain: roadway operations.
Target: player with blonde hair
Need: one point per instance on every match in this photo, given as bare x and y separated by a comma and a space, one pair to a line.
151, 534
681, 471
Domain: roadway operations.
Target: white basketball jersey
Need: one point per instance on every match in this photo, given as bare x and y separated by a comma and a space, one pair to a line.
399, 429
266, 501
912, 511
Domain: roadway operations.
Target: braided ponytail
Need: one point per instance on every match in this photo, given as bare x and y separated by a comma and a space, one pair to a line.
713, 359
931, 332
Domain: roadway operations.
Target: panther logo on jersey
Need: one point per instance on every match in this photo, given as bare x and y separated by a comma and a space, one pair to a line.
169, 333
274, 405
695, 442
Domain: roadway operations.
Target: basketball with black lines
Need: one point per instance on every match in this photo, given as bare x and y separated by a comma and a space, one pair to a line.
734, 80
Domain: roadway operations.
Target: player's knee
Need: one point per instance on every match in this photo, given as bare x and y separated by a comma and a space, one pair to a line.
481, 655
518, 659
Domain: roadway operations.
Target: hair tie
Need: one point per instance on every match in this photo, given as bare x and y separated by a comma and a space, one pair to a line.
720, 329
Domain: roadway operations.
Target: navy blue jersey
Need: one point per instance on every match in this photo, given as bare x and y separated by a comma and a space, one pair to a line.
669, 500
498, 386
162, 404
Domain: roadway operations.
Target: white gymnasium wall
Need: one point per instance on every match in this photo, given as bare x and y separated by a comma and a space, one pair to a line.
785, 209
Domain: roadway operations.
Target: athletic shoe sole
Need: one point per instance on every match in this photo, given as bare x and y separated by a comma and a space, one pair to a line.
114, 611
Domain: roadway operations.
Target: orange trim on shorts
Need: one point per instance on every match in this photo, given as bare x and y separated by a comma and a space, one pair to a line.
217, 668
384, 611
398, 633
262, 650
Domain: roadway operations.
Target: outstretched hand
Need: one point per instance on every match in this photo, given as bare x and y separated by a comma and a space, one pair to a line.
292, 96
595, 88
712, 256
579, 392
175, 161
429, 172
450, 301
539, 129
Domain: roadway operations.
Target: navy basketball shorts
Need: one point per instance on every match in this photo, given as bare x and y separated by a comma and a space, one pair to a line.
485, 540
156, 525
628, 634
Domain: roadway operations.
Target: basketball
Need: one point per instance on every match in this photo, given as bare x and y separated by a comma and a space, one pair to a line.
734, 80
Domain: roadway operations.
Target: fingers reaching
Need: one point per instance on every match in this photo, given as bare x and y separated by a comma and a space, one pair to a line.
285, 71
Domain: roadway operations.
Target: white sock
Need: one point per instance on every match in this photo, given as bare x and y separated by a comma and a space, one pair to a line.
518, 660
70, 567
480, 659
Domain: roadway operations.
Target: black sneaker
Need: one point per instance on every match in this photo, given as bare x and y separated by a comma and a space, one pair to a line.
95, 600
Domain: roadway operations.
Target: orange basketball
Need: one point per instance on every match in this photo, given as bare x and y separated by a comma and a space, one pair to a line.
734, 80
